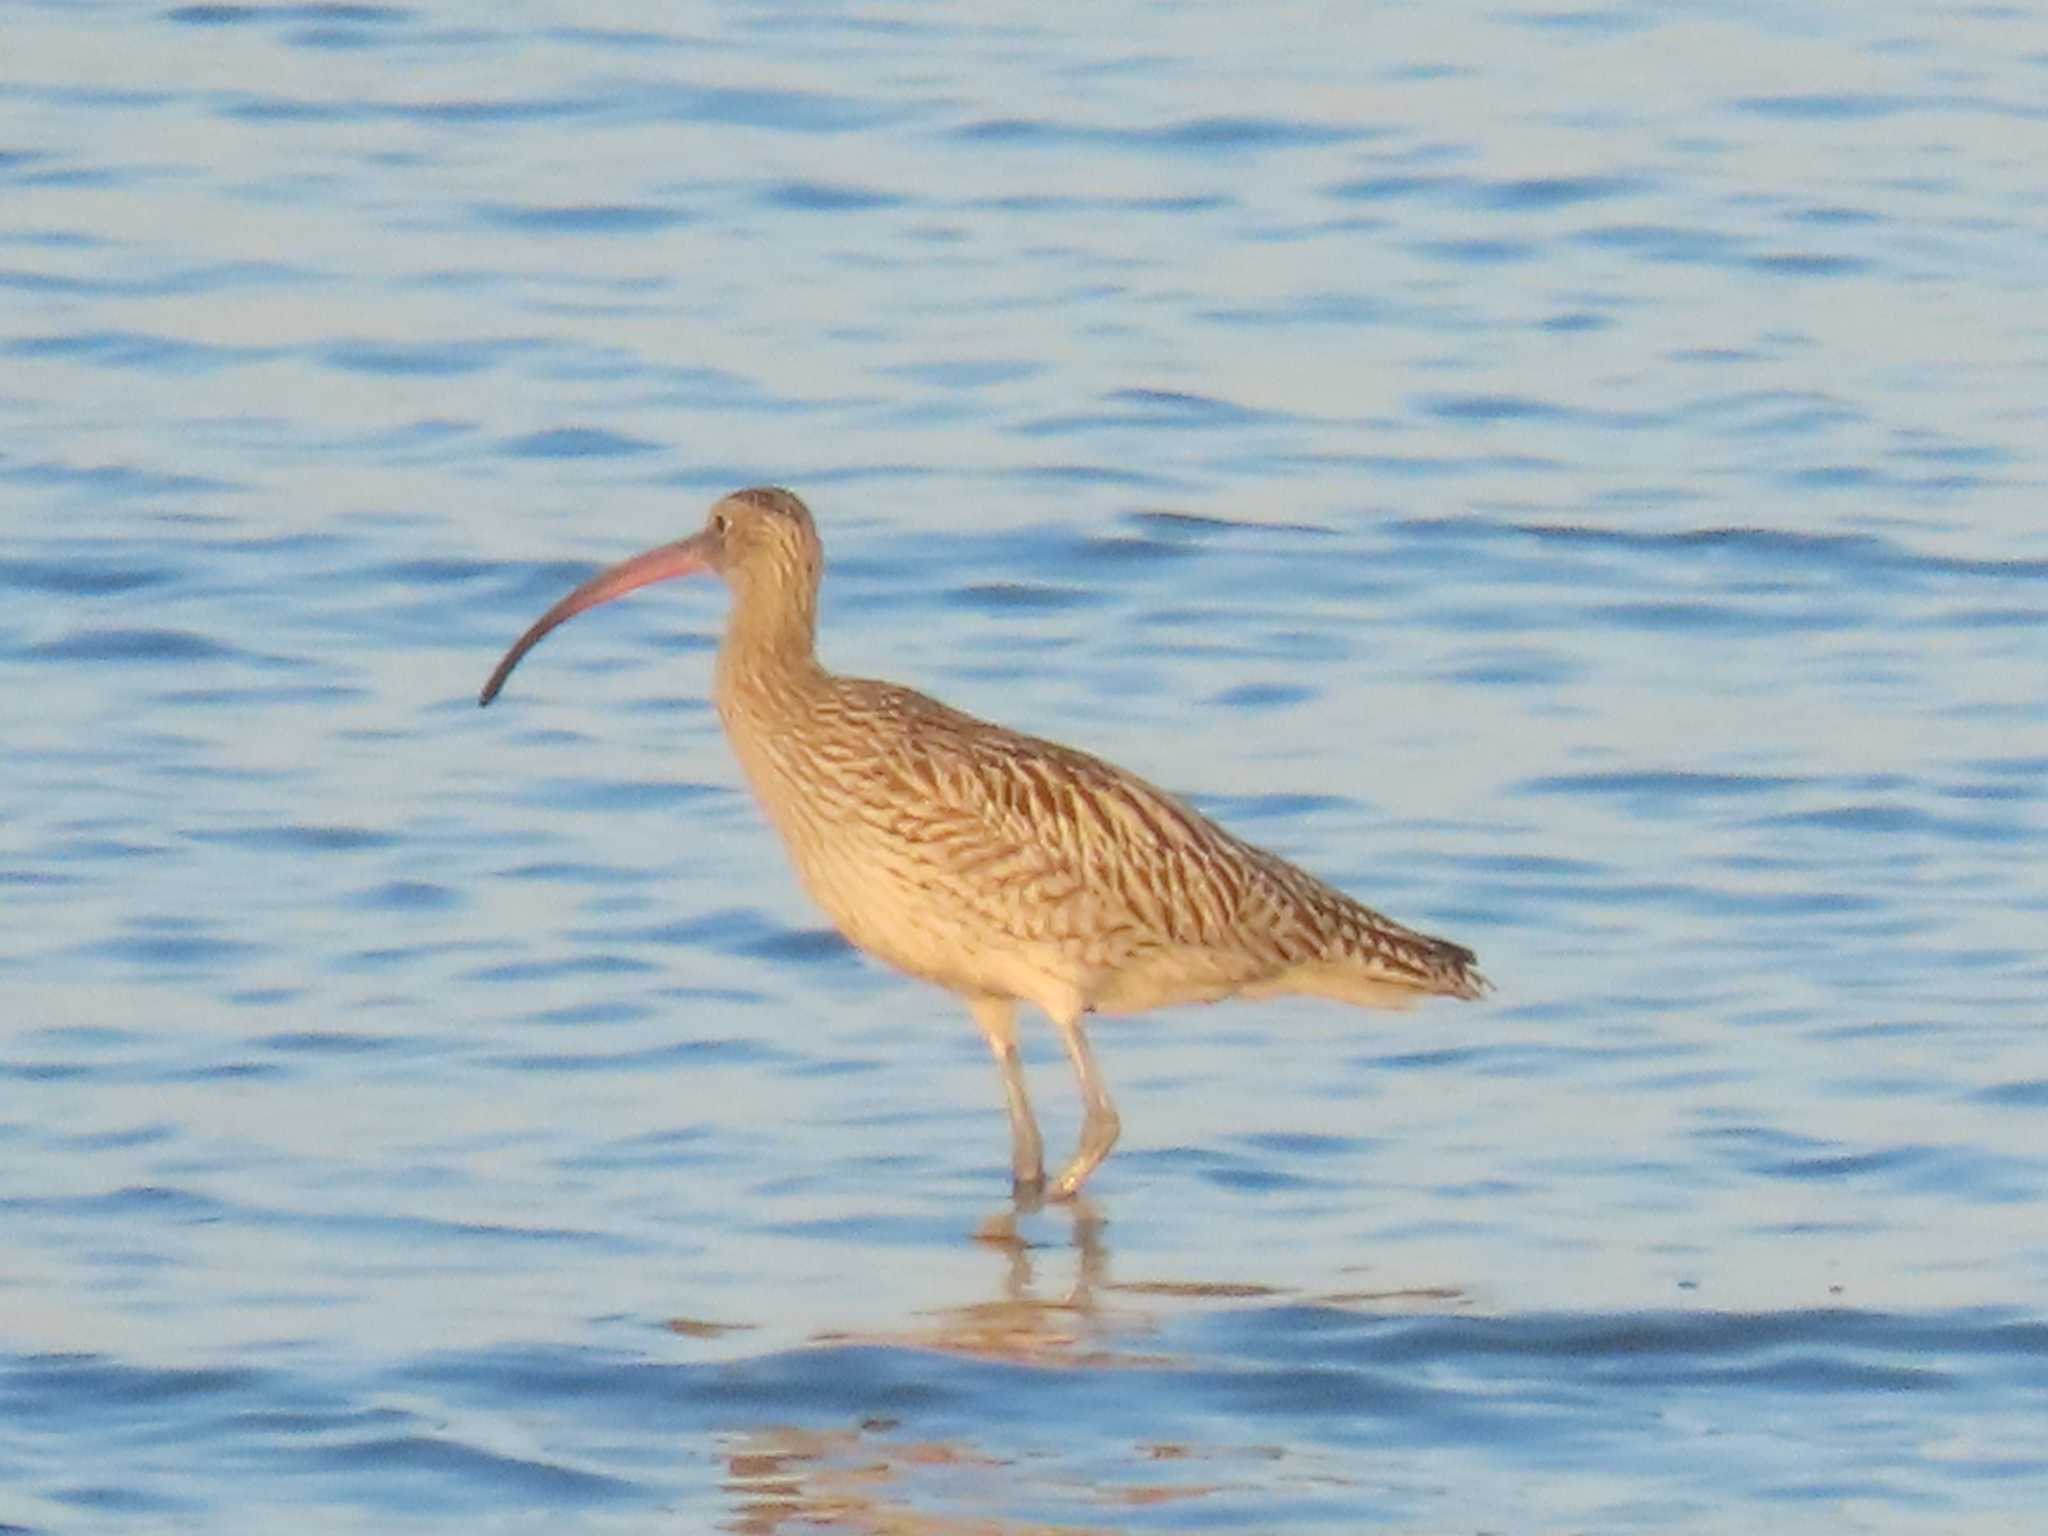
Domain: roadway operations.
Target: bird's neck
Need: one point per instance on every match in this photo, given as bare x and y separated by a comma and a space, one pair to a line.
770, 646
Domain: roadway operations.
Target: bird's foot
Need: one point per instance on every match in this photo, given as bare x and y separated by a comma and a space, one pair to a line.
1027, 1190
1098, 1135
1068, 1185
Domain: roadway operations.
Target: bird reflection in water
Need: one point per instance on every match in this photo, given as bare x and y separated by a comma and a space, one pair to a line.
1022, 1327
870, 1477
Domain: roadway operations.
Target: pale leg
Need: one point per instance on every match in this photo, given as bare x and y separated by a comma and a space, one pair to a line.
1099, 1124
996, 1017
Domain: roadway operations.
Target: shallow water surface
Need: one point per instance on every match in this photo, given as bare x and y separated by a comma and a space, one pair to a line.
1573, 479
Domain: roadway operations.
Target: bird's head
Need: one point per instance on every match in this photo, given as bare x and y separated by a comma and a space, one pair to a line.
763, 537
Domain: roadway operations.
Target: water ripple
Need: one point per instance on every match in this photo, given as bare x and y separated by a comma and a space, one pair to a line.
1203, 135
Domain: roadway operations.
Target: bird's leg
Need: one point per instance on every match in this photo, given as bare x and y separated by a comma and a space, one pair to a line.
996, 1017
1099, 1124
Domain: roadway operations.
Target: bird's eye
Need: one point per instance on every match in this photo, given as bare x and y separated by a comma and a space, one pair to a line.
718, 523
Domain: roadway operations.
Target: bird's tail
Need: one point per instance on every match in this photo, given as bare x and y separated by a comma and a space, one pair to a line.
1371, 985
1374, 962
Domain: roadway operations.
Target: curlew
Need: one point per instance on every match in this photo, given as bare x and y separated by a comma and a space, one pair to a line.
1001, 867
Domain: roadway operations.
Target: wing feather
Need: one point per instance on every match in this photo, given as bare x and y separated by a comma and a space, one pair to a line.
1033, 842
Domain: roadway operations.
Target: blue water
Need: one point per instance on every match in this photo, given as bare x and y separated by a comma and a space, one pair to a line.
1575, 478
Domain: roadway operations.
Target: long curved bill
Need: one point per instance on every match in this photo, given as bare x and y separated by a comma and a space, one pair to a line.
678, 559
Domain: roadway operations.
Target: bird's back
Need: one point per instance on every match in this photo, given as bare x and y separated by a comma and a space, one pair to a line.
992, 861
